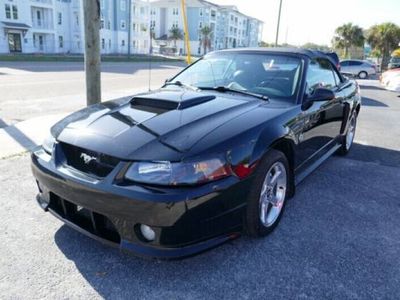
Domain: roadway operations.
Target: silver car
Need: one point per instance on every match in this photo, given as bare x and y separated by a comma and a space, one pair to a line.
359, 68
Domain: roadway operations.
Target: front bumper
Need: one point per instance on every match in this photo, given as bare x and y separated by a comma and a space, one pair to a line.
186, 220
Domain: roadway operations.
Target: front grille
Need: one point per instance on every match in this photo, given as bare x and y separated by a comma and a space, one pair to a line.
86, 219
87, 161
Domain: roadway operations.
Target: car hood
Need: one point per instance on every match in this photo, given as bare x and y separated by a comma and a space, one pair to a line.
142, 127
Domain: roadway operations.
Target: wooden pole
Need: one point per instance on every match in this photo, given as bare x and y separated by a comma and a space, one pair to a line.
91, 12
186, 31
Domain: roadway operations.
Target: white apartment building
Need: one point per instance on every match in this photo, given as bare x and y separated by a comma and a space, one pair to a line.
56, 26
230, 28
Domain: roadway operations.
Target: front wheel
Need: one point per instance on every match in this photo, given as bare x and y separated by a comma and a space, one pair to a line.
266, 201
348, 139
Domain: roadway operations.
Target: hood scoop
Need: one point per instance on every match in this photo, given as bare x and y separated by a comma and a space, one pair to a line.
169, 100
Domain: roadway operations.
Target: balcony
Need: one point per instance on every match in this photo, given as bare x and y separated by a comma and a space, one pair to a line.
40, 24
44, 2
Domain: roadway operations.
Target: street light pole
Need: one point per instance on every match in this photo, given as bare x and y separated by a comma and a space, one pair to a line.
277, 26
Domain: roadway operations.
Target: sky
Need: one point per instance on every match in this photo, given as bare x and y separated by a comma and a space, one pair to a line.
315, 21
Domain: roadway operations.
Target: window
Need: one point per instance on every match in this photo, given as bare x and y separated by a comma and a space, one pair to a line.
319, 74
123, 43
61, 41
134, 27
59, 18
353, 63
275, 76
103, 44
123, 24
15, 12
8, 11
201, 12
102, 22
123, 5
109, 44
109, 24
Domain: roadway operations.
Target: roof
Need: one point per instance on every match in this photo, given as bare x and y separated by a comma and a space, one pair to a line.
298, 51
14, 25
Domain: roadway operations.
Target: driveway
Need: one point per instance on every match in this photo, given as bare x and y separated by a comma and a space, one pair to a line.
339, 237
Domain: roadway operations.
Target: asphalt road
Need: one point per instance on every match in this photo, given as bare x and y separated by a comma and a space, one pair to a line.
32, 89
339, 237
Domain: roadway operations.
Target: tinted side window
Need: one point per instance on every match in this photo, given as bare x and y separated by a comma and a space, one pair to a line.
355, 63
344, 63
319, 74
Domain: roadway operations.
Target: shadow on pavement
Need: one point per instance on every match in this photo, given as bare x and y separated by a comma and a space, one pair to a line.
371, 87
381, 156
314, 252
372, 102
17, 135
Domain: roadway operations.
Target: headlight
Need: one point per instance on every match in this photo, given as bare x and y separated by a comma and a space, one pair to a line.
180, 173
48, 144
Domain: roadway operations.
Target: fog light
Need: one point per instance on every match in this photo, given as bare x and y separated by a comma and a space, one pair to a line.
147, 232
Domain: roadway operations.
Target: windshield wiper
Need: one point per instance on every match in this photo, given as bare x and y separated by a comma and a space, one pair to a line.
181, 84
224, 89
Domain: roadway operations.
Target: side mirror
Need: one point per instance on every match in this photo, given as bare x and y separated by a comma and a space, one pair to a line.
320, 94
167, 80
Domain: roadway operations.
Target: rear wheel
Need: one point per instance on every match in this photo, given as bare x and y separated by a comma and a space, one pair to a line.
267, 199
362, 75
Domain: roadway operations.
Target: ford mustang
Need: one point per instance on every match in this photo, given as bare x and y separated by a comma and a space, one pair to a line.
214, 153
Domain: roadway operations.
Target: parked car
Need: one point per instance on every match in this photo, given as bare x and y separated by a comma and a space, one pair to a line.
214, 153
394, 63
361, 69
391, 80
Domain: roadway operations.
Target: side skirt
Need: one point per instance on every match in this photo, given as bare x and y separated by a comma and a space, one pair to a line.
301, 176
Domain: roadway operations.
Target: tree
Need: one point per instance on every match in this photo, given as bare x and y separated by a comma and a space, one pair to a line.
347, 36
175, 34
384, 38
206, 34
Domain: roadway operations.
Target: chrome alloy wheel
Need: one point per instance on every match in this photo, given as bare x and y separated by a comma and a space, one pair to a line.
351, 132
273, 194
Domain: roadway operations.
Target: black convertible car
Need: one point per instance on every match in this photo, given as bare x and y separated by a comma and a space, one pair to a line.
215, 152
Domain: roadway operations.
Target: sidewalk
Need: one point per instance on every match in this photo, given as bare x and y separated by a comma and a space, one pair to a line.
26, 135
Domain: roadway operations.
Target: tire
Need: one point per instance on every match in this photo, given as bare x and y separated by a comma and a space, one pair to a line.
347, 140
363, 75
275, 194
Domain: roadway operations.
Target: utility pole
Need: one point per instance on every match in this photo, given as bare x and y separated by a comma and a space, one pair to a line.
277, 26
186, 32
91, 13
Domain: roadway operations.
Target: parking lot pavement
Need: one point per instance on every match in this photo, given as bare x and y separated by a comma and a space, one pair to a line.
32, 89
339, 237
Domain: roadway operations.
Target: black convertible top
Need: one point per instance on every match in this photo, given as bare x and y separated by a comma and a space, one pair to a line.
331, 56
300, 51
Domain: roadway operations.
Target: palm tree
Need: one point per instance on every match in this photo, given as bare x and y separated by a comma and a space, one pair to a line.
175, 34
384, 38
347, 36
206, 34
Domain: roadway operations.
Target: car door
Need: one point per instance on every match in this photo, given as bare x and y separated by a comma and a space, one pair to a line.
322, 120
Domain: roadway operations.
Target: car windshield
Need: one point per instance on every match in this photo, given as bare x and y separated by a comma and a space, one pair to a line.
276, 76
